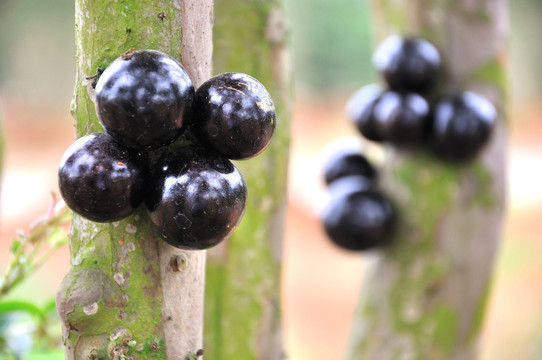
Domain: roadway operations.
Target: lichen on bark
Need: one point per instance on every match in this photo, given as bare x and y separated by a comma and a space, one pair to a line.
424, 297
122, 298
113, 287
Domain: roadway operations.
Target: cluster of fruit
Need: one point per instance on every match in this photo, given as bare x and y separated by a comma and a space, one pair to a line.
146, 102
406, 113
455, 126
358, 216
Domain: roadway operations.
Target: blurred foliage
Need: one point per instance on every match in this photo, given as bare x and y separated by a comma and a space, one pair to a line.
37, 52
28, 252
28, 331
331, 44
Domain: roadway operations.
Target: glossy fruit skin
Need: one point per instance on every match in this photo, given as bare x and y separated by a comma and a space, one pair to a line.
349, 184
402, 118
360, 111
100, 179
359, 220
195, 199
462, 125
407, 63
234, 114
142, 99
347, 162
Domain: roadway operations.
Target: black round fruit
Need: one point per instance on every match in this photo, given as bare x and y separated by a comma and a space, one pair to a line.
347, 162
359, 220
142, 98
234, 114
360, 111
402, 118
195, 199
409, 64
100, 179
462, 125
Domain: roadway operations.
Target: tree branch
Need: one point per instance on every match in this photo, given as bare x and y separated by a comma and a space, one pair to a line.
242, 300
425, 296
122, 298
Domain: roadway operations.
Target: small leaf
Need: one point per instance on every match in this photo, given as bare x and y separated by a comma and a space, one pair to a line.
15, 245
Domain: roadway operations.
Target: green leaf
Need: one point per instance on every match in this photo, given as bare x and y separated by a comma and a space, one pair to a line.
15, 245
21, 306
46, 355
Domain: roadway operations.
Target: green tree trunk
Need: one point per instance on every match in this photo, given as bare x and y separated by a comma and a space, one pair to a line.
129, 295
425, 296
242, 295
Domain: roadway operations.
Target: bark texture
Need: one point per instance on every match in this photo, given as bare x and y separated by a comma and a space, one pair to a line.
425, 296
128, 295
242, 299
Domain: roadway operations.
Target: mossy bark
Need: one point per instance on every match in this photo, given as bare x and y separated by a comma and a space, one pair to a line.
128, 294
242, 296
425, 296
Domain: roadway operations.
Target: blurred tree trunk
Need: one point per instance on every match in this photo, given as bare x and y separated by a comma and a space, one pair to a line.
242, 295
426, 295
129, 295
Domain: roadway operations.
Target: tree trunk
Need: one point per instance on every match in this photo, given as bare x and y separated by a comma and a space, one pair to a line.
242, 296
129, 295
425, 296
